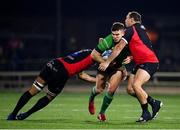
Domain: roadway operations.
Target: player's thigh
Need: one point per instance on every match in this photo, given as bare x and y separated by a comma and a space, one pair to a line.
141, 77
35, 88
115, 80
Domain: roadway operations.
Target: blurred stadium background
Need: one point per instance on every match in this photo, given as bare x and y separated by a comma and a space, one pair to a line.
32, 32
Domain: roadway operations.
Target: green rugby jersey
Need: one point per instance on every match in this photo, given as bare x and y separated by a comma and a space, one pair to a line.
107, 43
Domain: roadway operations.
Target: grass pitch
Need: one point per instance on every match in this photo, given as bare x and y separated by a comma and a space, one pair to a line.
69, 111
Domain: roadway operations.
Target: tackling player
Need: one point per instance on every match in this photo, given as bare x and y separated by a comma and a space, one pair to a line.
54, 74
146, 62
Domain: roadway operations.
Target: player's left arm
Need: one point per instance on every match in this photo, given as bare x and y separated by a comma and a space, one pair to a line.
103, 45
86, 77
101, 39
116, 51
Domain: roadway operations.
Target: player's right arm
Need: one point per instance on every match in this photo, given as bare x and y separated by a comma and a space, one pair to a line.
104, 44
116, 51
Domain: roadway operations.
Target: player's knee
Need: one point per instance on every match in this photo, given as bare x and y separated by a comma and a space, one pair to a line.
99, 90
111, 90
33, 91
36, 87
50, 98
136, 86
130, 90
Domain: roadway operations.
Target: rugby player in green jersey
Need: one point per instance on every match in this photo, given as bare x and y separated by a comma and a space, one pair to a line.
114, 75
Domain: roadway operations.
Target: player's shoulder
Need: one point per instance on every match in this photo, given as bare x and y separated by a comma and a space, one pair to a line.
129, 29
140, 26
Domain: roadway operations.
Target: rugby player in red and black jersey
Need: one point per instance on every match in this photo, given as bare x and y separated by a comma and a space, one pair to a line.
55, 74
146, 62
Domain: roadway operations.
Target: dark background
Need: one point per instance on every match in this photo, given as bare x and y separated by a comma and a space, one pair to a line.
34, 31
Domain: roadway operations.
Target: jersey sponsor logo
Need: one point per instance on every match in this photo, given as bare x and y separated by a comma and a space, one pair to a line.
50, 65
142, 65
70, 57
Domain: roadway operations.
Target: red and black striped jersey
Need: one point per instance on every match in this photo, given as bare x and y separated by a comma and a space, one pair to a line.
140, 44
77, 61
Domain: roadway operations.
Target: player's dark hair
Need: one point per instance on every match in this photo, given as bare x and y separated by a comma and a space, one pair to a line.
135, 15
117, 26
